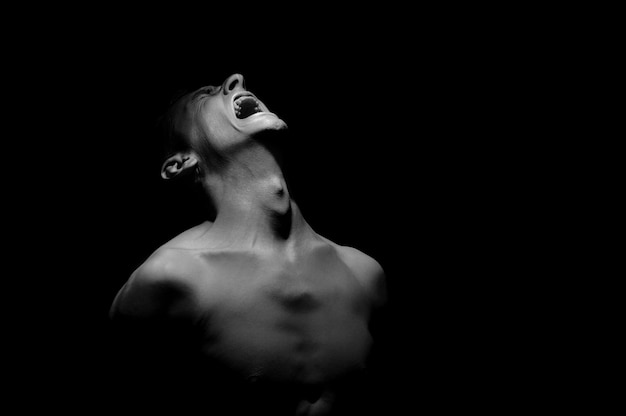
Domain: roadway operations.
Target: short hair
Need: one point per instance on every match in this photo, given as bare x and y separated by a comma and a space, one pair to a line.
171, 141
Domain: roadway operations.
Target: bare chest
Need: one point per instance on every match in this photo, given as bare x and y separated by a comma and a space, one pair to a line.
304, 321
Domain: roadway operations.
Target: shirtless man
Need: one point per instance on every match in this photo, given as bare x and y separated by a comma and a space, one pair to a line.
277, 315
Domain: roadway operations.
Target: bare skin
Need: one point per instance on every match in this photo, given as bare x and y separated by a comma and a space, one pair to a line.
272, 302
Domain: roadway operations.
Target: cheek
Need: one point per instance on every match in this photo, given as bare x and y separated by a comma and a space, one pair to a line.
216, 131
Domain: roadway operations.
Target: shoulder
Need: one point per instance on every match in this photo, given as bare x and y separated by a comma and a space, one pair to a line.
360, 262
189, 239
158, 287
166, 265
367, 270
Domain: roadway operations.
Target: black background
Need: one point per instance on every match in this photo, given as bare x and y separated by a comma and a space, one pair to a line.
409, 140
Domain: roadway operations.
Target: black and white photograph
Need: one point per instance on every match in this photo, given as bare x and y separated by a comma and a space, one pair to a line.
319, 217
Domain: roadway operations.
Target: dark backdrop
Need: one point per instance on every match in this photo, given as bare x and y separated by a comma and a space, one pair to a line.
405, 143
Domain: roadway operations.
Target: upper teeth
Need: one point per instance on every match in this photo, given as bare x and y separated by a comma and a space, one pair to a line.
240, 99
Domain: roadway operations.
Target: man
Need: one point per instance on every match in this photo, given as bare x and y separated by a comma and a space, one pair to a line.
265, 315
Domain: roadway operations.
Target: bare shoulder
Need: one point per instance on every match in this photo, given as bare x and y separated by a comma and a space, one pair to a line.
159, 286
190, 238
368, 270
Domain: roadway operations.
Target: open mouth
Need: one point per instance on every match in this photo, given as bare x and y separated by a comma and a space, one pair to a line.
246, 105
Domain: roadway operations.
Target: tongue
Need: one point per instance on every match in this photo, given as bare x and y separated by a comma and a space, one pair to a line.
247, 108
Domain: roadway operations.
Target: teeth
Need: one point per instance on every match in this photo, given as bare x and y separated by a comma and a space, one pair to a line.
237, 105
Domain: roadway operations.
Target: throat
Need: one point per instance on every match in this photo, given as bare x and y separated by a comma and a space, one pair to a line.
273, 196
275, 203
252, 201
261, 212
283, 223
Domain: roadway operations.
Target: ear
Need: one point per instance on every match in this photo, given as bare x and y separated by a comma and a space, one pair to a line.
178, 165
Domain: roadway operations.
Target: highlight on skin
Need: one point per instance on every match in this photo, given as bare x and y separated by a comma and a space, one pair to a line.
279, 308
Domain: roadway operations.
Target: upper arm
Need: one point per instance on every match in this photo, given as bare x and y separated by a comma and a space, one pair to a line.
154, 290
154, 336
375, 279
369, 272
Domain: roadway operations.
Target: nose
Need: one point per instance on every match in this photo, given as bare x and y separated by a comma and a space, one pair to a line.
233, 83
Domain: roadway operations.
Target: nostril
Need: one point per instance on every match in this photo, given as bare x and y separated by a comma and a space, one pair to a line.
232, 83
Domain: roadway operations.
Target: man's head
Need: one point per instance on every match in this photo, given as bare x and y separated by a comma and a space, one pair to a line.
210, 123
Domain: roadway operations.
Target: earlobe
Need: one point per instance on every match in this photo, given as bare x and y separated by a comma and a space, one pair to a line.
179, 164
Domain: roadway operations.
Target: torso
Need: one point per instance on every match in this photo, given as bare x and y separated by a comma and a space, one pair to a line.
300, 321
297, 320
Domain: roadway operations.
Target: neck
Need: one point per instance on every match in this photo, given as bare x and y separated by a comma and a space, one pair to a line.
252, 200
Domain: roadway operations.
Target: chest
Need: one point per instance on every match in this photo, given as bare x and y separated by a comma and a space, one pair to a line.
314, 287
305, 319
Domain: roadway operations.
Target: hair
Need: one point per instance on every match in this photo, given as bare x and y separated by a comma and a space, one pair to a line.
171, 141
